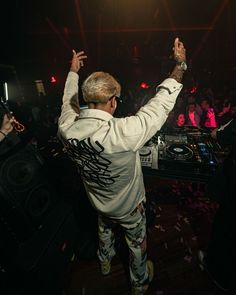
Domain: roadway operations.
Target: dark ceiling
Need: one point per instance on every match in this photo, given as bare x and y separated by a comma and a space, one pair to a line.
38, 36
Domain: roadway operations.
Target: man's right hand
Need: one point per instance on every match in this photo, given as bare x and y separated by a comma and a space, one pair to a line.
77, 61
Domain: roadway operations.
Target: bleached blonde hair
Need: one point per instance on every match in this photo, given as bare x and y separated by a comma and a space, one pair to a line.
99, 87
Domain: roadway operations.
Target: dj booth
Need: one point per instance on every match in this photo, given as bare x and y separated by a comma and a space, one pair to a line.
184, 153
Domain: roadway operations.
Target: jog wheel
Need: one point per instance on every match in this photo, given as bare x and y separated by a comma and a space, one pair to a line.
179, 152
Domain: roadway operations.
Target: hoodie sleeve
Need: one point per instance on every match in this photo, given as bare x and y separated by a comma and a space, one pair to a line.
136, 130
70, 102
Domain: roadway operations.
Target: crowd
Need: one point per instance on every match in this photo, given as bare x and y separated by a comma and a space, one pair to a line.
204, 108
204, 112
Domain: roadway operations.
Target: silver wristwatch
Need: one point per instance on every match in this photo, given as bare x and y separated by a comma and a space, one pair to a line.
182, 65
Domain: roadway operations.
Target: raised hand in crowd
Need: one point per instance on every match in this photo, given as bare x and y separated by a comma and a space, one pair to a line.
7, 126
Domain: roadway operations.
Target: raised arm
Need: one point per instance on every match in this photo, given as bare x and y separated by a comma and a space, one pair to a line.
138, 129
180, 58
70, 101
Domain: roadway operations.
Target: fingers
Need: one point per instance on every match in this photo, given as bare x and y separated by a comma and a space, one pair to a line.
12, 120
81, 63
79, 57
79, 54
176, 43
6, 119
179, 50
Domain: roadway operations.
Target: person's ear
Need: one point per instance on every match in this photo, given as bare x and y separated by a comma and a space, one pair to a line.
113, 102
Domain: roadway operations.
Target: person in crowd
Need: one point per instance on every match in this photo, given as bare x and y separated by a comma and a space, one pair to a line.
106, 151
218, 103
6, 127
193, 118
208, 118
180, 120
224, 116
219, 261
191, 99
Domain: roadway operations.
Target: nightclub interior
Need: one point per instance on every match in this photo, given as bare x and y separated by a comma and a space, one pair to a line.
50, 225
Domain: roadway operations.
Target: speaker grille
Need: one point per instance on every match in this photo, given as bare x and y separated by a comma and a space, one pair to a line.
25, 190
20, 170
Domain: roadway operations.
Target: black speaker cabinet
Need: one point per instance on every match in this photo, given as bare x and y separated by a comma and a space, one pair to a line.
41, 262
38, 229
26, 196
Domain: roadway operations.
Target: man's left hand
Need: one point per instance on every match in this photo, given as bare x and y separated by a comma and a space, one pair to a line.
179, 51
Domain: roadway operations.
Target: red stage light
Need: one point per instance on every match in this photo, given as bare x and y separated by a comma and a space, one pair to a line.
53, 79
193, 90
144, 85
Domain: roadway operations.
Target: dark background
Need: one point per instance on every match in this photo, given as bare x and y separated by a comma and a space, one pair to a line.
131, 39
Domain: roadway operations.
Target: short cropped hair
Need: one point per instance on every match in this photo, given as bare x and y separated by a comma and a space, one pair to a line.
99, 87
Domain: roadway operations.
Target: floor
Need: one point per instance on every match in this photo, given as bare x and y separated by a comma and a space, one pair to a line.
179, 223
179, 216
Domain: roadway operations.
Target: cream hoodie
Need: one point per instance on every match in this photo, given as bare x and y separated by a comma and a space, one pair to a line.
106, 148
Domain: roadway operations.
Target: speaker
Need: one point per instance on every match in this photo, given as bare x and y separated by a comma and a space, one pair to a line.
41, 263
26, 196
43, 260
38, 229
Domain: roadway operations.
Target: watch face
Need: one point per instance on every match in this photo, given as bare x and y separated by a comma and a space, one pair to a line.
183, 65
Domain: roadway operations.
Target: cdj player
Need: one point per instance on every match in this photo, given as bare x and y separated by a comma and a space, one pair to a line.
186, 154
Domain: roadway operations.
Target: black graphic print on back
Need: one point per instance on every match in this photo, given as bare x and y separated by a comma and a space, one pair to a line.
92, 165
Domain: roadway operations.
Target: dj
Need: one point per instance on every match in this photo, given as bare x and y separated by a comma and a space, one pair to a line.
106, 151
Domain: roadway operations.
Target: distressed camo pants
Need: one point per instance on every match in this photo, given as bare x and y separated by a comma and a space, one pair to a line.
135, 234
